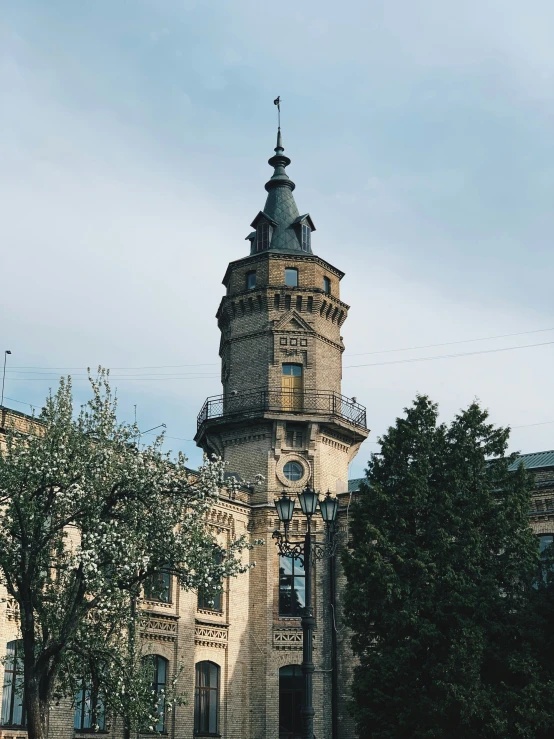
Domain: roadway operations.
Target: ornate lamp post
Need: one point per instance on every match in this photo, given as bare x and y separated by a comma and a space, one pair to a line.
306, 551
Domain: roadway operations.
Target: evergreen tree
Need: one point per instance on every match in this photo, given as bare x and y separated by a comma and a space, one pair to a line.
442, 586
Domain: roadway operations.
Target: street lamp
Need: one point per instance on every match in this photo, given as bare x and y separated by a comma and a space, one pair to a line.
306, 551
6, 352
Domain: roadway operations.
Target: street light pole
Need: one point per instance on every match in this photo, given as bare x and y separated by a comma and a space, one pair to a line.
306, 551
308, 624
7, 351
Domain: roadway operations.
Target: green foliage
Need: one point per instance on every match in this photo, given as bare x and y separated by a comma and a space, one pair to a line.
442, 593
86, 517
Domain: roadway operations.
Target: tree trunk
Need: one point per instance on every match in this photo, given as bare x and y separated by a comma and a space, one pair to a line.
36, 709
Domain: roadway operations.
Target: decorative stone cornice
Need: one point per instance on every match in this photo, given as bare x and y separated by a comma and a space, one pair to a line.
160, 628
211, 636
288, 638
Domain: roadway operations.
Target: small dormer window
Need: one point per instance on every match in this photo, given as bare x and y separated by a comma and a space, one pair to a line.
306, 235
262, 236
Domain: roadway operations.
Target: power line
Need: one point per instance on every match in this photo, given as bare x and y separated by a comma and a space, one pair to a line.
450, 343
527, 425
213, 364
449, 356
114, 378
83, 374
155, 366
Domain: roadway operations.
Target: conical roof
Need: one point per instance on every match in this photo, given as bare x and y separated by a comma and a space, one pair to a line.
280, 209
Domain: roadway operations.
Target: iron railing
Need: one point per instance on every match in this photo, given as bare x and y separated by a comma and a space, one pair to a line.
276, 400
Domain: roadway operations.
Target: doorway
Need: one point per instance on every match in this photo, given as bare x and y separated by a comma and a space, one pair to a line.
292, 387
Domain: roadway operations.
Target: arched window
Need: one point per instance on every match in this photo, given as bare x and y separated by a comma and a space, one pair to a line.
290, 702
158, 670
89, 709
292, 587
206, 698
13, 713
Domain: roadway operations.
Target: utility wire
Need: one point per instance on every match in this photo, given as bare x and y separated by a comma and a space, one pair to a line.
450, 343
449, 356
155, 366
138, 378
359, 354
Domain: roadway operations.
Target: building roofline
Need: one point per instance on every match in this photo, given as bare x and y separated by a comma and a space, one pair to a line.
260, 256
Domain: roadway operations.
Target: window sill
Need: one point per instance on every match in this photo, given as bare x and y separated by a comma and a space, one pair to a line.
156, 602
210, 612
204, 734
10, 728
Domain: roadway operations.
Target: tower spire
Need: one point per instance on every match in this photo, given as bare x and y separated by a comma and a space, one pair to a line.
279, 161
285, 229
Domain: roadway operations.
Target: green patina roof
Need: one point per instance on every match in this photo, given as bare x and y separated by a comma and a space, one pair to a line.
532, 461
280, 207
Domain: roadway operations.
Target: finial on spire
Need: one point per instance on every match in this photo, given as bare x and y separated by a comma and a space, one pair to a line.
277, 102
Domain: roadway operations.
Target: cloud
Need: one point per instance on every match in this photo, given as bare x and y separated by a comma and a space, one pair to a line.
134, 155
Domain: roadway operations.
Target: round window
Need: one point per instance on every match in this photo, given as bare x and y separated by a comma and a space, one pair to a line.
293, 471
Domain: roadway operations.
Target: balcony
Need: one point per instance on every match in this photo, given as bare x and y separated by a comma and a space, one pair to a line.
275, 400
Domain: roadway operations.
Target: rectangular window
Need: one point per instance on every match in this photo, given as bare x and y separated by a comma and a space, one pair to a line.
295, 438
89, 709
291, 277
276, 301
210, 601
310, 304
292, 587
250, 280
287, 302
306, 234
327, 286
158, 587
294, 370
299, 303
262, 237
13, 713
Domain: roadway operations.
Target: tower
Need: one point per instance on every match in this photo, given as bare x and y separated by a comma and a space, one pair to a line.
282, 416
281, 413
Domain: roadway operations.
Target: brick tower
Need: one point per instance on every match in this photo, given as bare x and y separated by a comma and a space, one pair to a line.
281, 413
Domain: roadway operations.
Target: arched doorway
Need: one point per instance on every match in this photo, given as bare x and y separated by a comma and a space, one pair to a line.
290, 701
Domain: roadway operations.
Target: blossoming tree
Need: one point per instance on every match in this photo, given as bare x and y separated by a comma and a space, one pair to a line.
87, 517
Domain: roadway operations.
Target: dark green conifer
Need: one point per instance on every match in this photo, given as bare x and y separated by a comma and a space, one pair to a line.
442, 586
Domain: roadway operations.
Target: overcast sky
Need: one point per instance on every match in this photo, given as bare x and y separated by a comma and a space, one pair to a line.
134, 138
